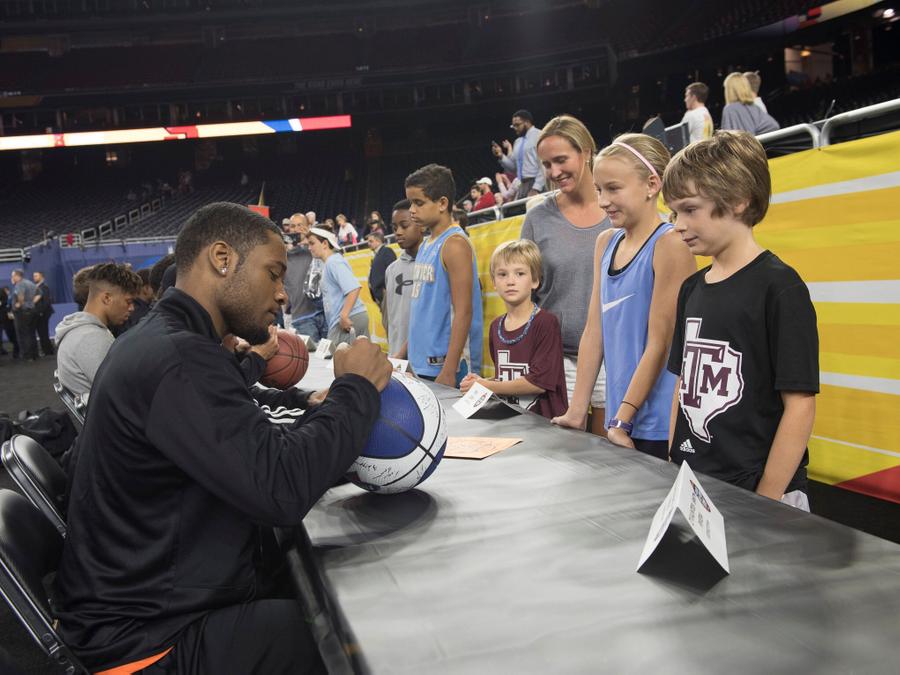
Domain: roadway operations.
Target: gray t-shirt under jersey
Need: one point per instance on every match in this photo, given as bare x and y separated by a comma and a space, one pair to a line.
568, 271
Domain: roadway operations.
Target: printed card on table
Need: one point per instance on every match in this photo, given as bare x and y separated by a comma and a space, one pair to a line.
400, 365
689, 497
324, 350
473, 401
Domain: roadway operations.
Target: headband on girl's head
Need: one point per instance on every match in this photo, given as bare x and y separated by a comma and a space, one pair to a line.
638, 155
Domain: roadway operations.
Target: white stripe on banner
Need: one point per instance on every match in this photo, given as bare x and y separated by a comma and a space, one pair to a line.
880, 182
887, 291
878, 385
880, 451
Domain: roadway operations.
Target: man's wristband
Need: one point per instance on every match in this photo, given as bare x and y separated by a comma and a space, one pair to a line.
615, 423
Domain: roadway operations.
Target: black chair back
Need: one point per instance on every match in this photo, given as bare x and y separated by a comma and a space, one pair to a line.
30, 549
76, 404
38, 476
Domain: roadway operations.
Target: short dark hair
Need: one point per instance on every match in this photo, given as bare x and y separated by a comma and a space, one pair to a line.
21, 273
159, 268
80, 287
144, 274
435, 180
376, 234
115, 274
699, 90
402, 205
461, 218
236, 225
524, 115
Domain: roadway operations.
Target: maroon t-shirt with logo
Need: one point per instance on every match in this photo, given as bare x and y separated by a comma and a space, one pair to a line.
538, 357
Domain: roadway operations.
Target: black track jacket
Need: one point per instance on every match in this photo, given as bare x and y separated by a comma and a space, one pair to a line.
177, 467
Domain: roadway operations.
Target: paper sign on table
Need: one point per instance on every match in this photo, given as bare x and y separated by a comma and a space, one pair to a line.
473, 401
476, 447
324, 350
689, 497
400, 365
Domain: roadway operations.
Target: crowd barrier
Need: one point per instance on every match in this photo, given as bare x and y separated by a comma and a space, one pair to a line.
833, 218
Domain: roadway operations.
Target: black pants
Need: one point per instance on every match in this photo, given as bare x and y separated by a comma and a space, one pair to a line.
42, 326
658, 449
7, 326
25, 322
265, 636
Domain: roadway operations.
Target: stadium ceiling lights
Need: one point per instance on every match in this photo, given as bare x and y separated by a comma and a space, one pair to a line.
178, 133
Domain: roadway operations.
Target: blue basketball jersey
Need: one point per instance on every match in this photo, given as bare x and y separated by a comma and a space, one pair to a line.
625, 304
431, 311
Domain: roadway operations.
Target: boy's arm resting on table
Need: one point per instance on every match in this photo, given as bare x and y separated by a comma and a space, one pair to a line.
517, 387
790, 443
456, 257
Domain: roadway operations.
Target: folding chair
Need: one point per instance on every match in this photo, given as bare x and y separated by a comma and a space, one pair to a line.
38, 476
76, 404
30, 549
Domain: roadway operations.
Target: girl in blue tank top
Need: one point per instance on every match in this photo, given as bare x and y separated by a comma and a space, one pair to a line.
638, 269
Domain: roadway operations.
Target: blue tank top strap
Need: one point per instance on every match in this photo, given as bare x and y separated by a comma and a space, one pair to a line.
625, 297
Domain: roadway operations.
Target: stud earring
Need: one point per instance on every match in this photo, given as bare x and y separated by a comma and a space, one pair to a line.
224, 269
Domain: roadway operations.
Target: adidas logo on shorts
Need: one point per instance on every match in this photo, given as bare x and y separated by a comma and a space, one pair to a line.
686, 447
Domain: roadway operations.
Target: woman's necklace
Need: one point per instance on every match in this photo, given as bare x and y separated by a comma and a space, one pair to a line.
505, 340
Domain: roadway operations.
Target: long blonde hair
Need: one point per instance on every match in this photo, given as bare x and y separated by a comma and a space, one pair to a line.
737, 89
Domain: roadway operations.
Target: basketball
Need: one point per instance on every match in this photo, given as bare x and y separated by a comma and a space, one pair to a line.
407, 441
288, 366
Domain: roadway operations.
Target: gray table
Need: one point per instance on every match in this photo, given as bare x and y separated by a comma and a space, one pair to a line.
525, 563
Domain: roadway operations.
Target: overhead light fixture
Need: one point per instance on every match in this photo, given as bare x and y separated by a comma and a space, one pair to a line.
889, 13
804, 53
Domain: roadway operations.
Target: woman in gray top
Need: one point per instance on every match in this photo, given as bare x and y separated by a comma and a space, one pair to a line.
565, 227
740, 113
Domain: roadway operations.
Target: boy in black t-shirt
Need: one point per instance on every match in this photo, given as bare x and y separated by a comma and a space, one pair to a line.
746, 347
526, 342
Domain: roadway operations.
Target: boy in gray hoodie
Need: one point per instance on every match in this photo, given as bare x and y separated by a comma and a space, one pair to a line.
83, 338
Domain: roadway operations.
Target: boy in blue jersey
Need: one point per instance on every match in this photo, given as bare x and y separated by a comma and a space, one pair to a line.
746, 344
445, 323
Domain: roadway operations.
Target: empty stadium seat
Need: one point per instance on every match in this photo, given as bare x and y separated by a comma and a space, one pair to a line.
38, 476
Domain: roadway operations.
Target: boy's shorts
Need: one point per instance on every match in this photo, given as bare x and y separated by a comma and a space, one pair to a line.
598, 396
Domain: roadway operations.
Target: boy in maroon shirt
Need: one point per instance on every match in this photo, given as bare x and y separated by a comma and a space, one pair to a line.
525, 343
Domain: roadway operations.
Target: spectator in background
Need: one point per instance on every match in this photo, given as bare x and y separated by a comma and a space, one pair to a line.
754, 80
83, 338
384, 256
399, 278
346, 315
156, 274
347, 235
43, 308
143, 301
302, 283
329, 224
467, 205
24, 316
740, 113
7, 325
507, 186
521, 157
485, 196
461, 218
699, 121
565, 227
311, 219
376, 223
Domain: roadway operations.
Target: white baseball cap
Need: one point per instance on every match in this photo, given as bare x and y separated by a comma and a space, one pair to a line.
484, 181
